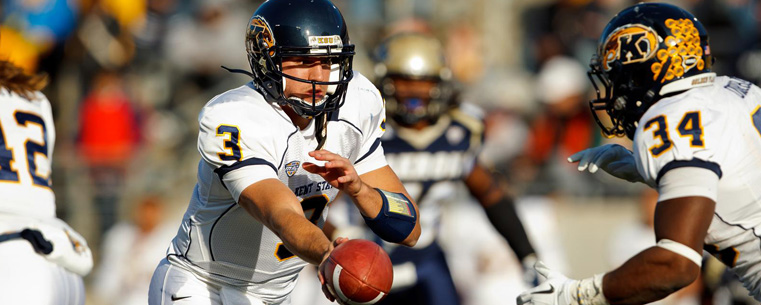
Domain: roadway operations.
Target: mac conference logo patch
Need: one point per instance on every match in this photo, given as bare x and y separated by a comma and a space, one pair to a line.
291, 168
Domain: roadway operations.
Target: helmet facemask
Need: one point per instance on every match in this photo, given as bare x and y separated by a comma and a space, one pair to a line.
266, 60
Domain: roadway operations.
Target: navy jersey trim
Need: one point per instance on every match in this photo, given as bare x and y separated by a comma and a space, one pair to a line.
712, 166
224, 169
352, 125
287, 145
211, 231
190, 236
372, 149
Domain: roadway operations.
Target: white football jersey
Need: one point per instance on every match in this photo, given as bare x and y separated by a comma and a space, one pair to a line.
27, 137
717, 127
244, 139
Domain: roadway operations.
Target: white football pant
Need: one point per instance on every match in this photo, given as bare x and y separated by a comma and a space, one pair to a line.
28, 278
173, 285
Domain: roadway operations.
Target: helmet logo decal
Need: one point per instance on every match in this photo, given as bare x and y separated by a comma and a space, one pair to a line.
629, 44
318, 41
684, 50
262, 35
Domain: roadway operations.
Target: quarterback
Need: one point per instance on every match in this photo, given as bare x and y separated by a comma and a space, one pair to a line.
697, 141
274, 153
43, 258
432, 143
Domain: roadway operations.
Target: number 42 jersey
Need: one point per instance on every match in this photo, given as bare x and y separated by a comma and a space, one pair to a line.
244, 139
27, 138
716, 127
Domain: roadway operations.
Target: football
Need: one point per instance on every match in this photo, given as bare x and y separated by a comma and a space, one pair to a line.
358, 271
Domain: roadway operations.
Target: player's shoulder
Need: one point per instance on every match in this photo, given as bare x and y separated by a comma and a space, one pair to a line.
242, 105
38, 103
469, 116
363, 102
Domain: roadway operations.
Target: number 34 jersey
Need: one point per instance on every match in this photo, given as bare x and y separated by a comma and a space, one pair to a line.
27, 137
244, 139
717, 127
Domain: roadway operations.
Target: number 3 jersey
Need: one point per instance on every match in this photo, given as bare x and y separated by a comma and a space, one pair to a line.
244, 139
27, 138
717, 127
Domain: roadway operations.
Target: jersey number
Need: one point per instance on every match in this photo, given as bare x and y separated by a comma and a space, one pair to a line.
689, 126
33, 149
727, 256
757, 119
313, 207
232, 140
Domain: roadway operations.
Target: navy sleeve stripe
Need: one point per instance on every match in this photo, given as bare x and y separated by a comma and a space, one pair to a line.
352, 125
372, 149
222, 170
287, 144
691, 163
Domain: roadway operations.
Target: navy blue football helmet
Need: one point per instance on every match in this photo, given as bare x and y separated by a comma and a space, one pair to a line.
646, 52
299, 28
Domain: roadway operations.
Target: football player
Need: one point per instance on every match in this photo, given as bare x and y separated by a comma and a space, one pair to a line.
432, 144
43, 258
274, 153
697, 141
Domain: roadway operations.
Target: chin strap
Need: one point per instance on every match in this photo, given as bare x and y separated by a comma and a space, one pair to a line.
238, 71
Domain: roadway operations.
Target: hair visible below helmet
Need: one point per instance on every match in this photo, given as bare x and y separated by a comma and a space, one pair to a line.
413, 56
299, 28
646, 52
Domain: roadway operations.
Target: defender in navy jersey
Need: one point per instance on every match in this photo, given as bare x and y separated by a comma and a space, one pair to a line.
432, 144
697, 141
275, 152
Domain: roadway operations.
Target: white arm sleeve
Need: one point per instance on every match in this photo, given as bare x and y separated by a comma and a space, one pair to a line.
688, 181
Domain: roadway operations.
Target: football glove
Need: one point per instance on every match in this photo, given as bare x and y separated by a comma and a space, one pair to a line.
612, 158
560, 290
70, 249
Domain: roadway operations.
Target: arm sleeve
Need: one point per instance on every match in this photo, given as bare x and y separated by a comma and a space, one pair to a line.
371, 152
240, 149
688, 181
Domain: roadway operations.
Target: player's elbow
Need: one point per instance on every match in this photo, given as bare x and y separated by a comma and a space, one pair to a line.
412, 239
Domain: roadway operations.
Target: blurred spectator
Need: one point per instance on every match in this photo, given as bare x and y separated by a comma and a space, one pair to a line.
129, 254
108, 137
564, 126
209, 38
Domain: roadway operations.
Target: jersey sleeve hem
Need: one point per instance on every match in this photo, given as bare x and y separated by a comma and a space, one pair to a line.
688, 182
240, 178
224, 169
712, 166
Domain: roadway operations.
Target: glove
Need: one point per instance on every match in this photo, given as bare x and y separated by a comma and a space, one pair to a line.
560, 290
70, 249
612, 158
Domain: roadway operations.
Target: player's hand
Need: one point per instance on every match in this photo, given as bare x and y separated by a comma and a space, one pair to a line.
612, 158
320, 269
556, 290
337, 171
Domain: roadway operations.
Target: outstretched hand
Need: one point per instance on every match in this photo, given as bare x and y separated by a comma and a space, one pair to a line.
337, 171
611, 158
321, 268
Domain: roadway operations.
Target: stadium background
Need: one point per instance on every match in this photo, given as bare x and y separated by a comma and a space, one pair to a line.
128, 77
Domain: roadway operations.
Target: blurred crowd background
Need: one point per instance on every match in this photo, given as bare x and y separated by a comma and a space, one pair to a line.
128, 78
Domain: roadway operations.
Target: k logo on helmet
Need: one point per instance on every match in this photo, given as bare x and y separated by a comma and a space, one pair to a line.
629, 44
260, 30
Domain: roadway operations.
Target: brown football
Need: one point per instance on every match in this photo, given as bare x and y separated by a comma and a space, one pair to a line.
358, 271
